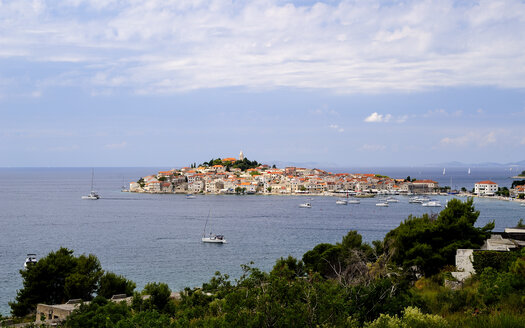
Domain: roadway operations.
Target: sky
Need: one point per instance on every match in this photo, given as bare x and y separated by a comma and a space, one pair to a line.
336, 83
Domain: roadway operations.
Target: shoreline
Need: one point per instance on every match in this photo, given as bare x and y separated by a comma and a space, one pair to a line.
331, 194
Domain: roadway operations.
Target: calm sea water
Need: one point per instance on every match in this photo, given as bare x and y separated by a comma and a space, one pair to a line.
151, 238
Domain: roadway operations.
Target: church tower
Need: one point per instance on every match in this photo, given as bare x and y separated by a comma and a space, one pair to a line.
241, 156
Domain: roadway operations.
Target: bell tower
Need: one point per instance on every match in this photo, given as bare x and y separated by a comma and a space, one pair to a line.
241, 156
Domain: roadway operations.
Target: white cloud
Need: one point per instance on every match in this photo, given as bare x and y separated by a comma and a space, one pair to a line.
372, 147
165, 46
337, 128
378, 118
470, 139
120, 145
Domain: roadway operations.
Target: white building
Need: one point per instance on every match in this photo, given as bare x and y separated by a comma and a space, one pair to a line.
485, 188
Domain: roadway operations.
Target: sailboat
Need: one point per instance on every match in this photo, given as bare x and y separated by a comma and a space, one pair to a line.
468, 171
92, 195
212, 238
444, 171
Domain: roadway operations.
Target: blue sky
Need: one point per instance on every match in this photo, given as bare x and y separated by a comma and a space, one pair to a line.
339, 83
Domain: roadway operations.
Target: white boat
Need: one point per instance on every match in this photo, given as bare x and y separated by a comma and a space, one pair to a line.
190, 196
212, 238
522, 204
92, 195
354, 201
341, 202
392, 200
30, 260
432, 203
385, 204
305, 205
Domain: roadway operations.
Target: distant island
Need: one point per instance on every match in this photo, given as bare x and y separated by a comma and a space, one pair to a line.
242, 176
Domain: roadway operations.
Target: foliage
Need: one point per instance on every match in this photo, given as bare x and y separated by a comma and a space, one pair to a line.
520, 224
111, 284
426, 244
412, 318
516, 183
240, 164
494, 259
56, 278
159, 297
98, 313
503, 192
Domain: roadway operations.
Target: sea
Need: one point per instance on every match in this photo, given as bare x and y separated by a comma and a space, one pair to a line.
156, 237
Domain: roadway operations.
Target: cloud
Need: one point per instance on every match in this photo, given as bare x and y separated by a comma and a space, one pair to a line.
443, 113
151, 47
378, 118
522, 141
121, 145
337, 128
371, 147
479, 139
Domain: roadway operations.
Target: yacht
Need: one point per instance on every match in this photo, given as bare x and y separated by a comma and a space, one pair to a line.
384, 204
392, 200
92, 195
30, 260
354, 201
341, 202
190, 196
212, 238
432, 203
306, 205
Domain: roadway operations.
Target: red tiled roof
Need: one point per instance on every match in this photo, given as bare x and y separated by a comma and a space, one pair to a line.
486, 182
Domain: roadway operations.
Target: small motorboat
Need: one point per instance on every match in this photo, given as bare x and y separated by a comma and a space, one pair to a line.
384, 204
432, 203
354, 201
190, 196
305, 205
30, 260
392, 200
341, 202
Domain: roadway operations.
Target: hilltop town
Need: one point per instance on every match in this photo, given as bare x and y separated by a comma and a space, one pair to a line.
240, 175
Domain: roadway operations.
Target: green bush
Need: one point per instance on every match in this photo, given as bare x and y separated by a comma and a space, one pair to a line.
412, 318
493, 259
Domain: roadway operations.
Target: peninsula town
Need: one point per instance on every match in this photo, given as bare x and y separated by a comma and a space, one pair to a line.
242, 176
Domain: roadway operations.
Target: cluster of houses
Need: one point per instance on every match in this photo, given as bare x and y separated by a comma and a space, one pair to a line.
222, 178
264, 179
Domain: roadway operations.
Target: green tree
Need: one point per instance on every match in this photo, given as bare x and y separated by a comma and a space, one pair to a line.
112, 284
56, 278
98, 313
428, 243
159, 297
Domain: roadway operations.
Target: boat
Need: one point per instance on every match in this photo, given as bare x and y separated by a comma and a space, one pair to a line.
341, 202
212, 238
92, 195
522, 204
305, 205
384, 204
468, 171
30, 260
190, 196
392, 200
432, 203
354, 201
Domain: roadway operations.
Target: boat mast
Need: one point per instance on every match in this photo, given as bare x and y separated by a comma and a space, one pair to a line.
92, 174
204, 232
